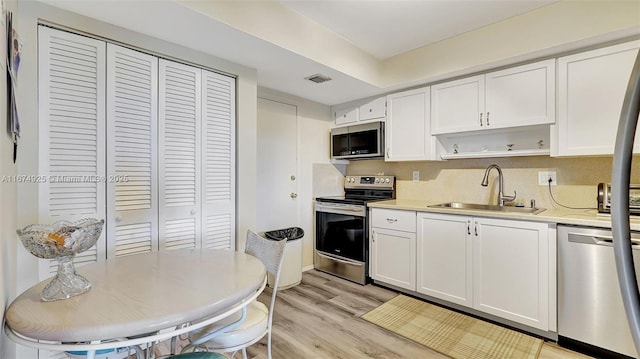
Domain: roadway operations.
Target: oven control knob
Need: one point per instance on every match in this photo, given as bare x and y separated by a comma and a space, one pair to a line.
377, 180
387, 180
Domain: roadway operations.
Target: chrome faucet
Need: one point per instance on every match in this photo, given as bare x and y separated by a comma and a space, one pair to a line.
501, 197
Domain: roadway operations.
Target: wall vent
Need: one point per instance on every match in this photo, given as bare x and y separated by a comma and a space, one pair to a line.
318, 78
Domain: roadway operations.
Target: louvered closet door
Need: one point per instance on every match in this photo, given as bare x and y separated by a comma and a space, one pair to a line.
71, 121
179, 162
218, 165
132, 132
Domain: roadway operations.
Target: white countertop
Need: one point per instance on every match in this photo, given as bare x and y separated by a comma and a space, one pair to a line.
582, 217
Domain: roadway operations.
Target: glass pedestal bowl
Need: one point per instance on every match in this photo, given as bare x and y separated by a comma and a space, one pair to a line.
62, 240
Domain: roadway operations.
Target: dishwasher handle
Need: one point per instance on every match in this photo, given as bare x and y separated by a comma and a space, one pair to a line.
599, 239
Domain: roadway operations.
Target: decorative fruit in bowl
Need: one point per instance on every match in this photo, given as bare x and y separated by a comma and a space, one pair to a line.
62, 240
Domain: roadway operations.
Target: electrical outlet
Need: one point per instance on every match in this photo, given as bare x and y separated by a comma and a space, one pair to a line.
416, 176
543, 178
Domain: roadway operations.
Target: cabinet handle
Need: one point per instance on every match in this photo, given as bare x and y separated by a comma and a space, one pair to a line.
469, 228
387, 152
392, 220
480, 119
475, 229
487, 118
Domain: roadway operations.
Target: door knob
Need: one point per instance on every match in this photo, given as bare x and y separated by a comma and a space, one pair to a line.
293, 195
118, 219
193, 211
293, 177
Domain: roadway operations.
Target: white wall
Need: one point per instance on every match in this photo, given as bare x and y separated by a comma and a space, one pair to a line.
559, 27
314, 123
8, 194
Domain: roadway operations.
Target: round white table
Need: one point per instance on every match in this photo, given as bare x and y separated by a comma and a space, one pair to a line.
145, 297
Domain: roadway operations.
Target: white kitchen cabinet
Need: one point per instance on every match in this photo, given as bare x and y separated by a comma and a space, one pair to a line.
511, 270
408, 128
375, 109
346, 115
500, 267
444, 262
456, 106
392, 247
591, 89
514, 97
362, 111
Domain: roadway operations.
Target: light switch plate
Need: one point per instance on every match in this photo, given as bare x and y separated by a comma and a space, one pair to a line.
416, 176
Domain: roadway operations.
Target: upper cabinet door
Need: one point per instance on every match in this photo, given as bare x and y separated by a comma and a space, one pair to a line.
407, 131
71, 123
457, 106
346, 115
517, 96
521, 96
591, 89
375, 109
132, 163
218, 160
179, 163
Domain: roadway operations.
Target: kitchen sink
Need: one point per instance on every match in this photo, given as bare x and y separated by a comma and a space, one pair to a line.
488, 207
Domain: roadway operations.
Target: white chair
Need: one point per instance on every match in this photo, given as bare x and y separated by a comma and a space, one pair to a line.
258, 317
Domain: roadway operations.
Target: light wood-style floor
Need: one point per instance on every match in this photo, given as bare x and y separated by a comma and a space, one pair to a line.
320, 319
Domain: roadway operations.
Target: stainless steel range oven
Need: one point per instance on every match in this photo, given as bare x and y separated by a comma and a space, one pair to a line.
342, 227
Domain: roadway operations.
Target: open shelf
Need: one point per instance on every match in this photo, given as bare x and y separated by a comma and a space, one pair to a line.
508, 142
489, 154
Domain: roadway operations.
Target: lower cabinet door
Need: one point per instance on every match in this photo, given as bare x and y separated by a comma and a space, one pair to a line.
445, 251
393, 257
511, 264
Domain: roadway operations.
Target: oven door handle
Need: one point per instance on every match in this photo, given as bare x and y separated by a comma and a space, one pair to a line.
339, 260
351, 211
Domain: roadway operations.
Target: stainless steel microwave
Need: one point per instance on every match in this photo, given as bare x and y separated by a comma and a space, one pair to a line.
358, 141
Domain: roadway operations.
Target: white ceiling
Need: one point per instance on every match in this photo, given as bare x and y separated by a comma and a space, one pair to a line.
388, 28
378, 29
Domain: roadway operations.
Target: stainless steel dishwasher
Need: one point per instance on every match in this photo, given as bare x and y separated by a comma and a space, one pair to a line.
590, 308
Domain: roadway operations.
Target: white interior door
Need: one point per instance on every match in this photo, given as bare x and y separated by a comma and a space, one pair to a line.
71, 82
132, 131
277, 206
179, 129
218, 160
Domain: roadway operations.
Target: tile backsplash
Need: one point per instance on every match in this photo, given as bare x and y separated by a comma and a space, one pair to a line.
459, 180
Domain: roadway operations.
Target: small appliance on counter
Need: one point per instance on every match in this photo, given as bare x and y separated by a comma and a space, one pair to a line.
342, 227
604, 198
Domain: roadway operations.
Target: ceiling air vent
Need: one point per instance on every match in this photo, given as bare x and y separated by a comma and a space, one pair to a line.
318, 78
